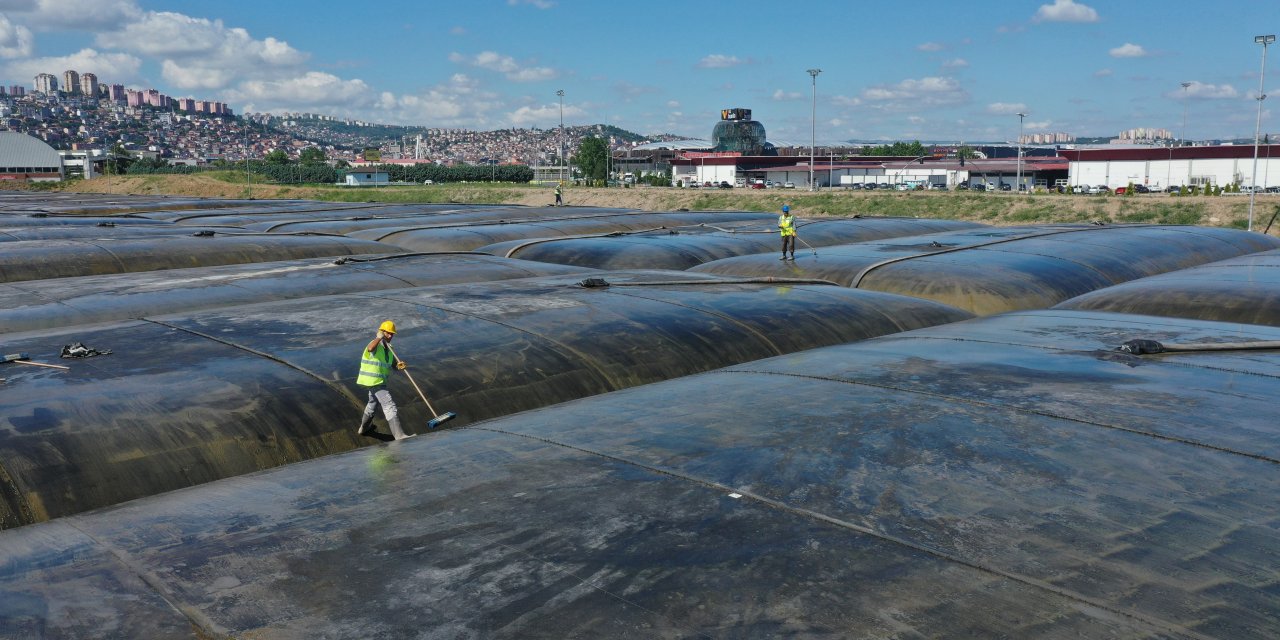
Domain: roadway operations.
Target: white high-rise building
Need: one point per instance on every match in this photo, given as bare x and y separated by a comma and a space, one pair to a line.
70, 81
46, 83
89, 85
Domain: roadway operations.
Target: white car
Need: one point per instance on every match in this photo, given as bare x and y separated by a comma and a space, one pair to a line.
788, 185
428, 182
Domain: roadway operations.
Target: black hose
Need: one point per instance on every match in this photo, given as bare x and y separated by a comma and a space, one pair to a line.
1143, 347
1273, 219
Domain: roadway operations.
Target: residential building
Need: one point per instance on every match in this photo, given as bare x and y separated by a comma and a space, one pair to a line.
46, 83
89, 85
71, 82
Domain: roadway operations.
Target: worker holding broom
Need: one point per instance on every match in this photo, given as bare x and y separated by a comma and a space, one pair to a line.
787, 225
375, 367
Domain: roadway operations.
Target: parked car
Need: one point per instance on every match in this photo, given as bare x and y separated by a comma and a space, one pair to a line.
1121, 190
884, 185
1006, 187
428, 182
724, 184
1141, 188
1155, 188
962, 187
978, 186
757, 185
788, 185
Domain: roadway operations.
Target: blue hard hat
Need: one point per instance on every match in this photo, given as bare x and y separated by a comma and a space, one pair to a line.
786, 208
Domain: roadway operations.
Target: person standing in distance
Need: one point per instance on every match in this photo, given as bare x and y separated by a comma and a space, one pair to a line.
787, 225
375, 366
559, 202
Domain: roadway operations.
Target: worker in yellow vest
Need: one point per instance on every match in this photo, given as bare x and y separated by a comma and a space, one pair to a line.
375, 367
559, 202
787, 225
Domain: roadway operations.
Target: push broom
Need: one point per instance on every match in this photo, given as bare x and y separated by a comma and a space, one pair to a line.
440, 418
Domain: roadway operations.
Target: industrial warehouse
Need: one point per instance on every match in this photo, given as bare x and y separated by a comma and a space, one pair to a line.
914, 428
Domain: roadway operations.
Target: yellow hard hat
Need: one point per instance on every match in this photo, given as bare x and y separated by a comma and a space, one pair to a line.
388, 326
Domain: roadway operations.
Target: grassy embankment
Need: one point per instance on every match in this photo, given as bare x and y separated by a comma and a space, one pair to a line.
990, 208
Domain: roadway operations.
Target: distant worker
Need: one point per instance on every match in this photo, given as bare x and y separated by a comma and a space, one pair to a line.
375, 366
559, 202
787, 225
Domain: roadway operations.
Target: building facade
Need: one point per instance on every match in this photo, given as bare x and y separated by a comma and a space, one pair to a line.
1162, 167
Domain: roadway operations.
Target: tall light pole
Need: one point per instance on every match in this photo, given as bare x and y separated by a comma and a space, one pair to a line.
813, 124
1257, 131
1185, 105
560, 92
248, 187
1017, 182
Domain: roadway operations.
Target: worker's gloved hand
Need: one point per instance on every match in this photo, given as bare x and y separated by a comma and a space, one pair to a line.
401, 365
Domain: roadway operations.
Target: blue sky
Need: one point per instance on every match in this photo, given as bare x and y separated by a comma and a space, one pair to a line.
929, 70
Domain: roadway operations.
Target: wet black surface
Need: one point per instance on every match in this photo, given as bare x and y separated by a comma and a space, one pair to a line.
686, 247
1244, 289
59, 302
893, 488
218, 388
1013, 476
42, 259
997, 270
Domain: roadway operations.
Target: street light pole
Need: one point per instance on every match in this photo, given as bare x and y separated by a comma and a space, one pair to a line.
1017, 182
1257, 131
813, 124
248, 187
560, 92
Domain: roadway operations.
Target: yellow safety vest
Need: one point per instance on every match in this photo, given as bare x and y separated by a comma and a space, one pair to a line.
787, 224
374, 367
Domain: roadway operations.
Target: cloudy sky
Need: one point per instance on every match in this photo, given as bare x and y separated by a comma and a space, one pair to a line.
928, 70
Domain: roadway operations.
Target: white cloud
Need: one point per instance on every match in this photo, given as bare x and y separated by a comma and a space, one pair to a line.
1199, 90
955, 63
846, 101
85, 15
541, 4
542, 115
1102, 73
112, 67
313, 88
1006, 108
929, 46
787, 95
458, 31
1128, 50
916, 93
1065, 11
720, 61
673, 104
15, 39
506, 65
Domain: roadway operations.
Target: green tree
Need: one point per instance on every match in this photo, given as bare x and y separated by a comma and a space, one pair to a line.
311, 155
911, 149
118, 159
277, 156
592, 158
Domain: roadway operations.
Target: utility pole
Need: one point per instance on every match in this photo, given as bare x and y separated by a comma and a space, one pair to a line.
1262, 76
560, 92
813, 124
1017, 184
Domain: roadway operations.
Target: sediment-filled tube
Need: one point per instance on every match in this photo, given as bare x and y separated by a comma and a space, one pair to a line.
453, 217
469, 237
187, 398
997, 270
697, 243
62, 302
905, 486
47, 221
1244, 289
41, 259
106, 230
